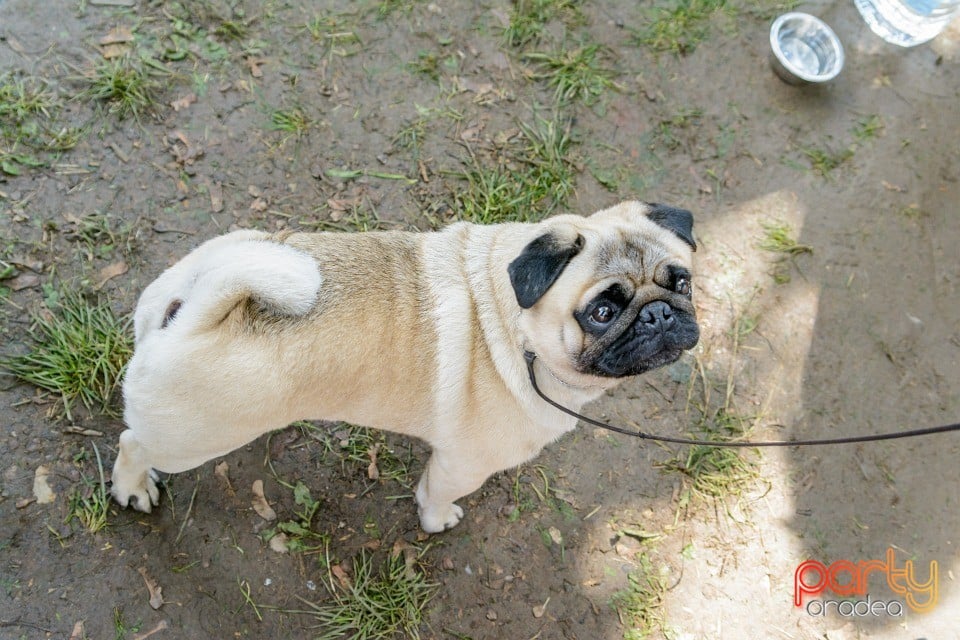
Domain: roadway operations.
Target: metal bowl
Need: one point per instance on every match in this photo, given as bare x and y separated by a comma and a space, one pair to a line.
804, 49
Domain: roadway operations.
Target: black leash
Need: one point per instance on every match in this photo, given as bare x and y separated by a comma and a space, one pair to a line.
911, 433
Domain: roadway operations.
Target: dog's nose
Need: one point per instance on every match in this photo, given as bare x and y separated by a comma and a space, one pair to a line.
657, 315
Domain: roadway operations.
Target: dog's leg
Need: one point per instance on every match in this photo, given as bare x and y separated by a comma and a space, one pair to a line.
449, 475
132, 475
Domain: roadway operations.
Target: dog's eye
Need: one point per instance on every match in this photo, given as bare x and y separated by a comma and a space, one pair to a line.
682, 286
602, 314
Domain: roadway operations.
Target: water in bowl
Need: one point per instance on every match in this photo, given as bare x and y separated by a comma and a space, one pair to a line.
801, 55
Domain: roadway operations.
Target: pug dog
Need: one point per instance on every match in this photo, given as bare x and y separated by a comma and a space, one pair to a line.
422, 334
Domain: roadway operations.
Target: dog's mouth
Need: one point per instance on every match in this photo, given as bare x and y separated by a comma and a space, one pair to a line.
657, 337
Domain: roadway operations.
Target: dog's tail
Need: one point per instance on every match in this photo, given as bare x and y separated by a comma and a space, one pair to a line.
198, 292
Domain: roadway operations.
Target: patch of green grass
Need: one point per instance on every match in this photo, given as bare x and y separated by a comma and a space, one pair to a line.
532, 486
867, 128
575, 74
14, 162
546, 151
538, 177
293, 122
716, 472
364, 448
120, 629
609, 178
678, 26
673, 131
358, 219
410, 136
29, 130
640, 605
368, 449
234, 29
778, 237
497, 194
299, 535
90, 502
824, 160
100, 234
185, 39
24, 98
376, 604
529, 19
914, 212
719, 472
431, 64
334, 33
386, 8
128, 85
80, 350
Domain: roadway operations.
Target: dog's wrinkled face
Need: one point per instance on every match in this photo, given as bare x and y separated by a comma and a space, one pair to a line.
610, 295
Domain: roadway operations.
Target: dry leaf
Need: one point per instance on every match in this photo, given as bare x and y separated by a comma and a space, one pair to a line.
41, 489
279, 543
216, 197
153, 587
260, 504
479, 88
341, 575
339, 204
80, 431
162, 625
117, 35
184, 102
33, 265
539, 610
110, 272
410, 556
471, 134
183, 152
23, 281
111, 51
372, 471
14, 44
254, 65
115, 43
78, 632
504, 137
555, 535
220, 471
259, 205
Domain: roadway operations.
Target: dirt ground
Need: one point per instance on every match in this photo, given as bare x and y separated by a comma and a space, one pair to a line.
396, 101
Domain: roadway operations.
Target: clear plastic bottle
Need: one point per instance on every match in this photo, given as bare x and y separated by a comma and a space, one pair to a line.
908, 22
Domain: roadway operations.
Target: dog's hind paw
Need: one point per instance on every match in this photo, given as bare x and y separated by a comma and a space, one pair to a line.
142, 496
434, 519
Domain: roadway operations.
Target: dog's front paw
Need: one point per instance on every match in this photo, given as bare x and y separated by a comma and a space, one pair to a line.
142, 495
437, 518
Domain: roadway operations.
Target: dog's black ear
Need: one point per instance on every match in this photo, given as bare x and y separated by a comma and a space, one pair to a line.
539, 265
680, 221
